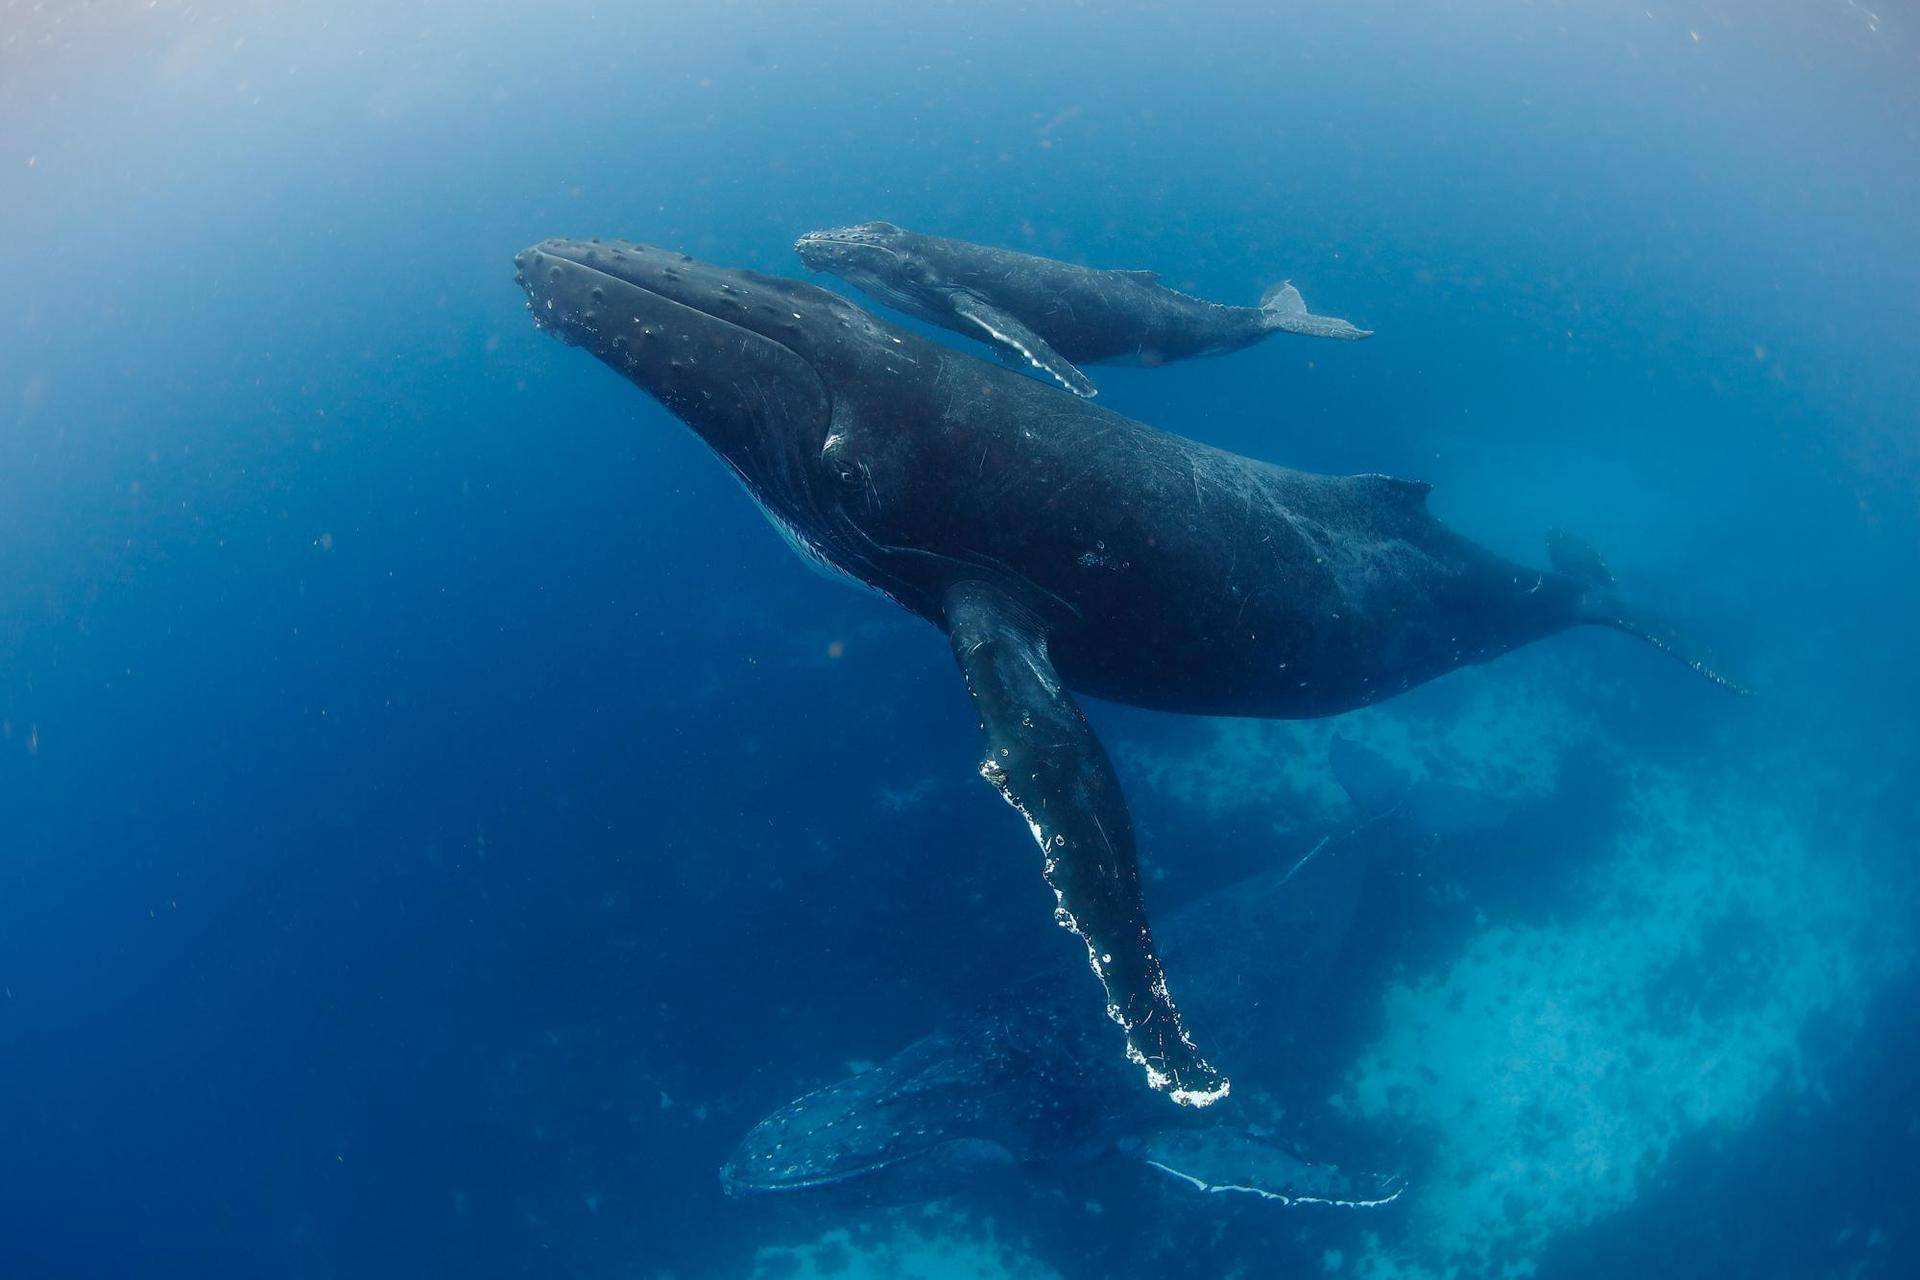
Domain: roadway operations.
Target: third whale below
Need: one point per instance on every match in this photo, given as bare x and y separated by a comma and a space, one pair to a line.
1060, 547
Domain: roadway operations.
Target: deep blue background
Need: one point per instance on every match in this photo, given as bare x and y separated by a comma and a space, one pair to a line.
384, 685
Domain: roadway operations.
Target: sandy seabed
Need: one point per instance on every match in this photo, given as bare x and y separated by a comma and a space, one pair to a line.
1557, 1067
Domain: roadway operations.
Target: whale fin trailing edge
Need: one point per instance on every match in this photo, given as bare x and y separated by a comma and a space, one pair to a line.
1602, 604
1286, 310
1044, 760
1014, 339
1224, 1161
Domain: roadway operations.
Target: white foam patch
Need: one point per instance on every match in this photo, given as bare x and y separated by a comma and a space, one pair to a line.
1556, 1067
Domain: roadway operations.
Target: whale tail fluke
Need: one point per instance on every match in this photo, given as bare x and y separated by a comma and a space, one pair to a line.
1285, 309
1602, 604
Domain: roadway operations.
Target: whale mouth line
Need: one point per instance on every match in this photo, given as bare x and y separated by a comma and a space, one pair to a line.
694, 307
768, 1186
855, 242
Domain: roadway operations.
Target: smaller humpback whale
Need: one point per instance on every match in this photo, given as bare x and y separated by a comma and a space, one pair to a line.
1020, 1086
1048, 314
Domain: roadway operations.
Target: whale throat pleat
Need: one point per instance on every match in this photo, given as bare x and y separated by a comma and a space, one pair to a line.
809, 552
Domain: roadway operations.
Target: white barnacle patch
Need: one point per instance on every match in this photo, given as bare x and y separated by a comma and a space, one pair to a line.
1158, 1078
1042, 365
1198, 1098
994, 772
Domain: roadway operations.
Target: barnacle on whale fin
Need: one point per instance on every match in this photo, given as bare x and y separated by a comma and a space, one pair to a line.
1044, 760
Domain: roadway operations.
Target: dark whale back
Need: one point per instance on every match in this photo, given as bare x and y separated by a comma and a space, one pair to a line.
1088, 314
1172, 574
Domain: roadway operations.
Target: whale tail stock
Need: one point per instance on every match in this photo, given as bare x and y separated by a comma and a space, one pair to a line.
1602, 604
1284, 308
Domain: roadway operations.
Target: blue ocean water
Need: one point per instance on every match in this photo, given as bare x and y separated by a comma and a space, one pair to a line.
437, 818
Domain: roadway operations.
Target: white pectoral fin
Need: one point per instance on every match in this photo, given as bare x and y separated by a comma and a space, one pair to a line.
1223, 1161
1044, 760
1013, 337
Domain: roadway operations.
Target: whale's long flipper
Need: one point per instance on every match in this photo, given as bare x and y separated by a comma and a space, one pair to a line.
1014, 338
1223, 1161
1044, 759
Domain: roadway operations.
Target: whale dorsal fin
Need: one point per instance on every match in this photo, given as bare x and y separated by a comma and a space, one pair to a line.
1407, 493
1576, 558
1014, 338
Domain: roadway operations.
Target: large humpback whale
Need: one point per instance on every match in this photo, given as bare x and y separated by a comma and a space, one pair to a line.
1061, 547
1050, 314
1021, 1083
